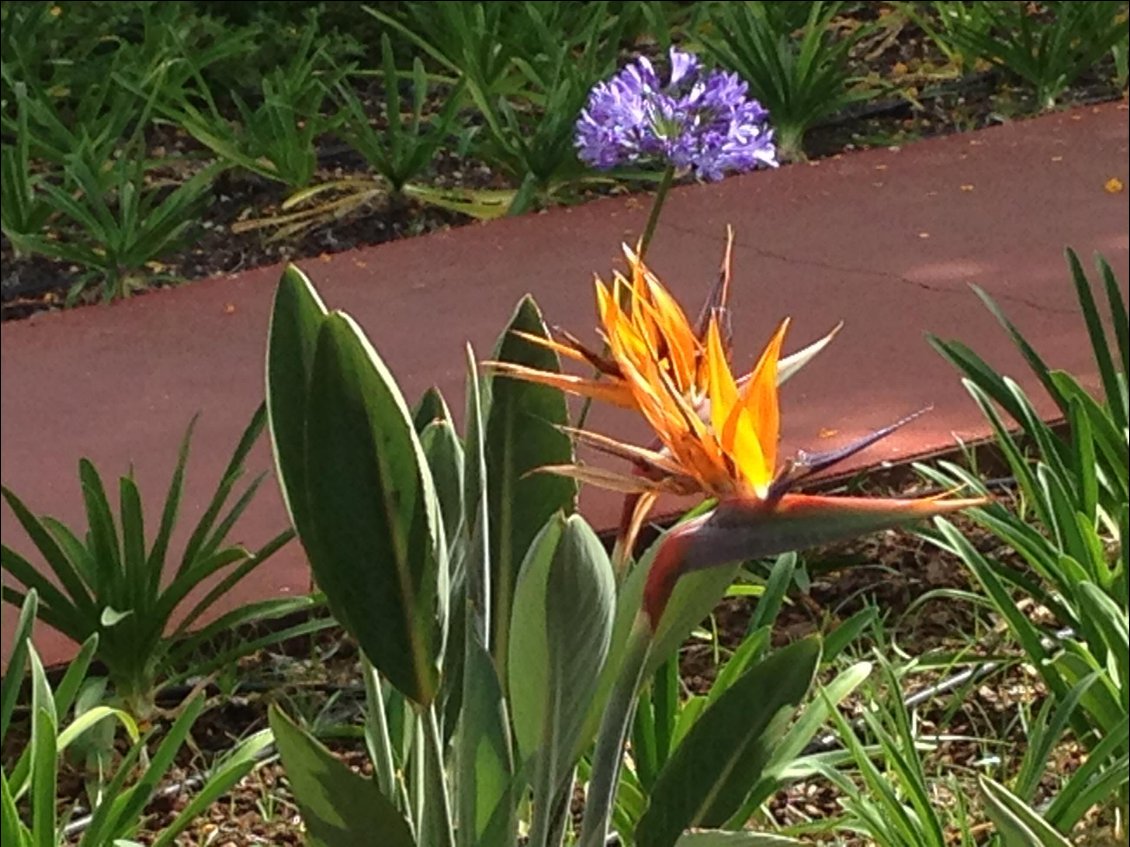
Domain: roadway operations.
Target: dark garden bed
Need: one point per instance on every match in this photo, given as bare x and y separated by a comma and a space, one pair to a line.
915, 91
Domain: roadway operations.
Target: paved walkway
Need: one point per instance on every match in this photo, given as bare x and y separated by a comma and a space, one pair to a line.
887, 240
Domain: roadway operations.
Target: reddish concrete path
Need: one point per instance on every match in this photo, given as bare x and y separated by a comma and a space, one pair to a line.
887, 240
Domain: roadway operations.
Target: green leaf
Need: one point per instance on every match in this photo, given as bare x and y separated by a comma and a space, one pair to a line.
483, 204
211, 529
470, 586
777, 586
88, 719
521, 436
791, 747
847, 632
483, 744
103, 535
1119, 316
978, 372
1109, 439
1048, 729
111, 617
73, 678
17, 660
430, 408
296, 317
1035, 362
1018, 824
221, 777
170, 510
76, 598
214, 564
12, 830
529, 650
121, 816
1102, 775
725, 752
373, 533
694, 597
1103, 613
1099, 345
444, 455
562, 622
340, 808
44, 778
475, 502
134, 568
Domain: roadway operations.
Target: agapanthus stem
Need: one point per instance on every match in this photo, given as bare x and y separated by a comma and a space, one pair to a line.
665, 183
656, 207
586, 406
609, 752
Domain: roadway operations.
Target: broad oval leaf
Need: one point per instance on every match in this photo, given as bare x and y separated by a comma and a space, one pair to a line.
521, 435
373, 533
560, 628
296, 317
725, 753
528, 665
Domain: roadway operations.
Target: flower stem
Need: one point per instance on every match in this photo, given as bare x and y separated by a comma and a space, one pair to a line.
648, 231
585, 408
656, 207
609, 752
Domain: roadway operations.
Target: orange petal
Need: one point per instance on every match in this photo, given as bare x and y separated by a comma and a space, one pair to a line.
760, 397
636, 509
723, 391
609, 390
748, 451
676, 330
566, 350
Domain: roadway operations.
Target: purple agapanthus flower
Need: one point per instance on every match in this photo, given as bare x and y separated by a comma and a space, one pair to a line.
699, 120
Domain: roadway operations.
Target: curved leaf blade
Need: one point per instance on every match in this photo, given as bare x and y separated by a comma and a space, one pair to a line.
521, 435
725, 753
340, 808
296, 316
373, 531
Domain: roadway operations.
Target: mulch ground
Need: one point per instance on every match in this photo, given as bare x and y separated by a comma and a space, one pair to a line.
897, 572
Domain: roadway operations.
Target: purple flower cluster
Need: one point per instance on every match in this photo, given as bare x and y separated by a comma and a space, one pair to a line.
700, 120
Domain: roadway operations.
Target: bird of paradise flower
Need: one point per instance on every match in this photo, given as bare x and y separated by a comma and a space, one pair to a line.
716, 434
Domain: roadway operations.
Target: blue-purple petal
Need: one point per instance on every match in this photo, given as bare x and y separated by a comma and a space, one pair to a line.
699, 120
